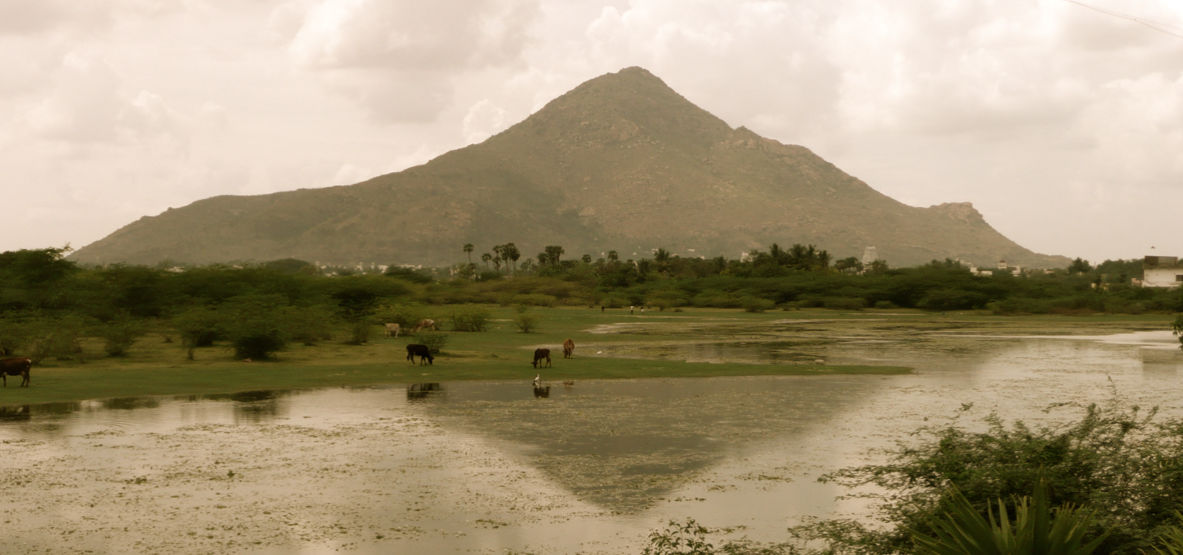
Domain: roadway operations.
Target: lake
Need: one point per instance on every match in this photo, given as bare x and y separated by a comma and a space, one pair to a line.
486, 467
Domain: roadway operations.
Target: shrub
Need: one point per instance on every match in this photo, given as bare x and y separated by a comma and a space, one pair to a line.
199, 327
1114, 461
533, 299
1036, 528
472, 320
257, 326
434, 340
54, 338
119, 335
525, 321
680, 538
844, 303
756, 304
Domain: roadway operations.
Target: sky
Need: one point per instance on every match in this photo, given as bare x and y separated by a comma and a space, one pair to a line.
1060, 120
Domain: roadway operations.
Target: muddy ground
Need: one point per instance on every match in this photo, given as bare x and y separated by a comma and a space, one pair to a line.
283, 488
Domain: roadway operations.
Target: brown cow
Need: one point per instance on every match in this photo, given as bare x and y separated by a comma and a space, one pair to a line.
425, 324
16, 367
541, 355
568, 348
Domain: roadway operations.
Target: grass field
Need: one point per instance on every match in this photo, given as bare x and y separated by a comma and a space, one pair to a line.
155, 366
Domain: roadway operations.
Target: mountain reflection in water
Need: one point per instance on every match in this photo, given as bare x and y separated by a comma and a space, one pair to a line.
627, 454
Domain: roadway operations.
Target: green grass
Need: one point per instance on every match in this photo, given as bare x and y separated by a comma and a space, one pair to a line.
156, 367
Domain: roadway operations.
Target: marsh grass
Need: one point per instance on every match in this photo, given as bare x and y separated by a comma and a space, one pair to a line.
154, 365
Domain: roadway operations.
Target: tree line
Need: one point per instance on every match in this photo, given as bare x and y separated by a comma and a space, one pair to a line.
48, 301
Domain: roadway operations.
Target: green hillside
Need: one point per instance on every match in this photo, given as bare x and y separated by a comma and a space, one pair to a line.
621, 162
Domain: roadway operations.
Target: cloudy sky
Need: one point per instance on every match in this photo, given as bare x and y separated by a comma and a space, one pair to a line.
1060, 120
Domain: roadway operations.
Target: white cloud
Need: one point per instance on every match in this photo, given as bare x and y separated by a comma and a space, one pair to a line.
1060, 122
398, 59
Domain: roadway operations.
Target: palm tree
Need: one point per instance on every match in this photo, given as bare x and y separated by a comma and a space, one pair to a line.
468, 251
512, 253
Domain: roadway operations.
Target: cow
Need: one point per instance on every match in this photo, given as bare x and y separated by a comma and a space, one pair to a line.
568, 348
425, 324
420, 351
541, 355
392, 330
16, 367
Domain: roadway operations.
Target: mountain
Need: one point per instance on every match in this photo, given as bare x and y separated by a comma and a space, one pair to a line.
621, 162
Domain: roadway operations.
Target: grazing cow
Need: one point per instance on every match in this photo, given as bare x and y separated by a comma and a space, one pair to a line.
420, 351
425, 324
568, 348
392, 330
541, 355
16, 367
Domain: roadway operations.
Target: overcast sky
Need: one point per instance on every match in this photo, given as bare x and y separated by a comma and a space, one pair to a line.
1061, 121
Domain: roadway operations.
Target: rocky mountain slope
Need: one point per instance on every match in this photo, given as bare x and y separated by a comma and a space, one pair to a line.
621, 162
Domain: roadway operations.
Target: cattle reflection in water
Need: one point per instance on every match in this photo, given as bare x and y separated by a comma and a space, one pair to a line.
422, 390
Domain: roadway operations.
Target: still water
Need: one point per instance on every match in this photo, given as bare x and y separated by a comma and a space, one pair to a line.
485, 467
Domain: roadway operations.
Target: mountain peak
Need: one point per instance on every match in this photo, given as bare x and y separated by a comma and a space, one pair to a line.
621, 161
632, 99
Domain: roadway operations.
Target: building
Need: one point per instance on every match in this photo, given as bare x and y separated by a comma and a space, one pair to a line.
1161, 271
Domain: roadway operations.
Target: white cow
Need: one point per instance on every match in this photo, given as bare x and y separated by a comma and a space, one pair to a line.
392, 330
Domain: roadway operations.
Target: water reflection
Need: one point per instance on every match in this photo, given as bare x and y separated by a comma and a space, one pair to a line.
622, 455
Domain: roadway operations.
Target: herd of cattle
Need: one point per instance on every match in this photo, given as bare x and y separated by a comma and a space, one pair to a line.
20, 366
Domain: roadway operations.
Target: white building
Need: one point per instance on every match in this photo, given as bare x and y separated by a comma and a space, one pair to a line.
1161, 271
870, 255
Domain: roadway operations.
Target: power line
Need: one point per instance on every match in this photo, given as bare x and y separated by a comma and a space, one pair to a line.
1160, 27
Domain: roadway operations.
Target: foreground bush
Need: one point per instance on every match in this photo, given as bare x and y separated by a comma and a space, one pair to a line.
1110, 482
1121, 465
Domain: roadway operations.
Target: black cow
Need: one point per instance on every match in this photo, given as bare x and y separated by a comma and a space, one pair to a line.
541, 355
16, 367
420, 351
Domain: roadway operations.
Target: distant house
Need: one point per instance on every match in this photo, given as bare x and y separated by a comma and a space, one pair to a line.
1161, 271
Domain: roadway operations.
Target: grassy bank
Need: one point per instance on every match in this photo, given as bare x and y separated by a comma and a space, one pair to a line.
157, 366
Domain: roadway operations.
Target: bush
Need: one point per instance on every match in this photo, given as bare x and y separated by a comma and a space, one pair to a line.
199, 327
680, 538
55, 338
525, 321
119, 335
434, 340
844, 303
534, 299
472, 320
756, 304
1115, 462
257, 326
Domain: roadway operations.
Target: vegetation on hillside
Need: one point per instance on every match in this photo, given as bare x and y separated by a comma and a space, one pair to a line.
622, 161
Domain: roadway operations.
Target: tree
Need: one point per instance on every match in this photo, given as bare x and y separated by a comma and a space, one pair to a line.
1079, 266
849, 265
553, 252
486, 258
511, 254
31, 278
